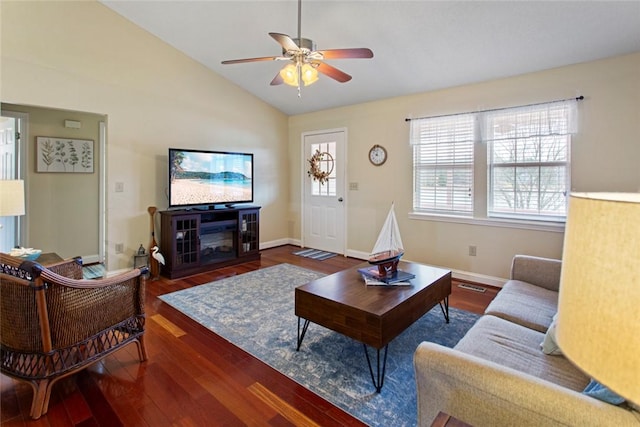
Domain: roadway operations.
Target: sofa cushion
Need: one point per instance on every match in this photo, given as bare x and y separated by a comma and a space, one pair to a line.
525, 304
543, 272
518, 347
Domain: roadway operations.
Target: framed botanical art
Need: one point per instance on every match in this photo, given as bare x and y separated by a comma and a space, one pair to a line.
64, 155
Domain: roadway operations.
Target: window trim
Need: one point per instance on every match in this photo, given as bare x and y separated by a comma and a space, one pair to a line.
550, 226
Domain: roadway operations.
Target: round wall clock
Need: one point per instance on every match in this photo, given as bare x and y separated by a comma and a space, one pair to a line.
377, 155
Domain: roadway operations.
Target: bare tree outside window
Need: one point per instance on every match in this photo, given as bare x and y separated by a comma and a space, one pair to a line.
528, 162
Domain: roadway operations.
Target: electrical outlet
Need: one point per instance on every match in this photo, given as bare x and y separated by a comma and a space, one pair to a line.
472, 250
119, 248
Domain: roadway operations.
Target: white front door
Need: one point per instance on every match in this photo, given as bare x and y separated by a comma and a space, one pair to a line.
323, 202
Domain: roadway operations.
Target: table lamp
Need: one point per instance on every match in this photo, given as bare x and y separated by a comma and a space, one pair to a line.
11, 197
599, 300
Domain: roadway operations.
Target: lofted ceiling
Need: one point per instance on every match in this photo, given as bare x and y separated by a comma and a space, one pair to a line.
418, 46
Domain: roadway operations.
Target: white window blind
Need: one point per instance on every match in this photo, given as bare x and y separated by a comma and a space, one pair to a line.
528, 162
443, 164
528, 153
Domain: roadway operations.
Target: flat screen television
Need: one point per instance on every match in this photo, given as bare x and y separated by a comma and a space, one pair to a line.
199, 178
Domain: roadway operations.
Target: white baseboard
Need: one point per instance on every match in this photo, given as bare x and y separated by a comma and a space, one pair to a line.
478, 278
279, 242
358, 254
116, 272
90, 259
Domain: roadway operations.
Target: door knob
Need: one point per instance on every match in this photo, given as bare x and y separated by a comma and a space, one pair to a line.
340, 199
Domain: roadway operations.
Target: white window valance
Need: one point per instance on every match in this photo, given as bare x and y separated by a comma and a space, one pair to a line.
457, 128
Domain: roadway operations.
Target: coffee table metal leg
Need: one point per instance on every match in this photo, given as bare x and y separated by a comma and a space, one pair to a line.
378, 379
445, 308
301, 334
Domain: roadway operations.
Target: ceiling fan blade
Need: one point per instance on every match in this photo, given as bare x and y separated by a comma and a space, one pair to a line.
277, 80
333, 72
263, 58
346, 53
285, 41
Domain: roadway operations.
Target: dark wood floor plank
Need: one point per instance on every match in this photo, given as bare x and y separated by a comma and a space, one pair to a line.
282, 408
9, 408
193, 377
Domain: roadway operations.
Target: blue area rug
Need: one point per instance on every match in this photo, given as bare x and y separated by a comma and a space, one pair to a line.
255, 311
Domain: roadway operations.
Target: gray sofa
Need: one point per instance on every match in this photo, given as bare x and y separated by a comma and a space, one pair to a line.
498, 375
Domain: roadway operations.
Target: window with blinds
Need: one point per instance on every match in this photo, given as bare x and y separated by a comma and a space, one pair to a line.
528, 162
443, 164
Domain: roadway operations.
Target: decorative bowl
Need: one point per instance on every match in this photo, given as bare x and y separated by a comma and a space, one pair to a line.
28, 254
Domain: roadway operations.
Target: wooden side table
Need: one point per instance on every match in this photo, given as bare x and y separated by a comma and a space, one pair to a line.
48, 259
446, 420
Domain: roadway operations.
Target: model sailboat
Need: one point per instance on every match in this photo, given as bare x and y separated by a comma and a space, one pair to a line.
388, 248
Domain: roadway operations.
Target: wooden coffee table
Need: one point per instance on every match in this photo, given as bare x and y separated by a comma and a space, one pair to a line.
373, 315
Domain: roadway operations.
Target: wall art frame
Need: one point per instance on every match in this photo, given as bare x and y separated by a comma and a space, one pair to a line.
64, 155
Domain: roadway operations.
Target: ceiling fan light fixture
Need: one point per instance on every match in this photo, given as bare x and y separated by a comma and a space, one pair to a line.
306, 61
309, 74
289, 74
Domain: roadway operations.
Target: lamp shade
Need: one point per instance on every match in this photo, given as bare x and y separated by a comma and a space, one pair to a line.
599, 301
11, 197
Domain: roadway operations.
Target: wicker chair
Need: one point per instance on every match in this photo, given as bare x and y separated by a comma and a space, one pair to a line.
53, 323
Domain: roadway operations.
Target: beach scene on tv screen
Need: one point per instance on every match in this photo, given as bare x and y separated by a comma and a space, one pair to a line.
202, 178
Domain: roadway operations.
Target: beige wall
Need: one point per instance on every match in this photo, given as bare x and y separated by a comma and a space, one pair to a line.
53, 217
605, 157
82, 56
155, 97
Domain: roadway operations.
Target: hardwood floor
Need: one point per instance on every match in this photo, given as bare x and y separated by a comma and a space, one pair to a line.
193, 377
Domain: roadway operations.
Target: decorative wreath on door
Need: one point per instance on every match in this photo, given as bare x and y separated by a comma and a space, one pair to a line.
314, 162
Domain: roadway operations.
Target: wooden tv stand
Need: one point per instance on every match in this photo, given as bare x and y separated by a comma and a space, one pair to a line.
195, 241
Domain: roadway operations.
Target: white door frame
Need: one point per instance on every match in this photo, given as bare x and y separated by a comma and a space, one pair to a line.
22, 151
22, 174
342, 191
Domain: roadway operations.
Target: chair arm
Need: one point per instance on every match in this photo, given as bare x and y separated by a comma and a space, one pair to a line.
484, 393
543, 272
71, 268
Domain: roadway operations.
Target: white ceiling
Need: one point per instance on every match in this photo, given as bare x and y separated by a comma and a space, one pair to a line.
418, 46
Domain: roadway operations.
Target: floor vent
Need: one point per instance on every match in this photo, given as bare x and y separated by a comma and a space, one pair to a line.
471, 287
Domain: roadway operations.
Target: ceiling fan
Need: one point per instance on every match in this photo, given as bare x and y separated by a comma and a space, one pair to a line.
304, 60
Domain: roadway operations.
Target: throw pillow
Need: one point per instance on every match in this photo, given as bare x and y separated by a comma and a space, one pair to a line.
549, 345
597, 390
